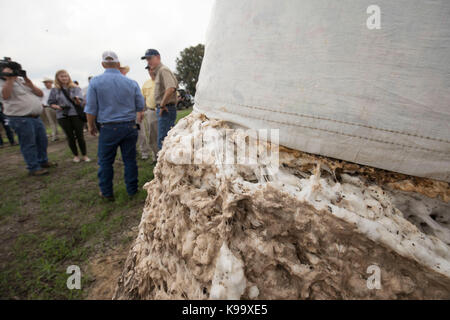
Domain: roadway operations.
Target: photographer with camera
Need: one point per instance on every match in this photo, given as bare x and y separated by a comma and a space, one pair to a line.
64, 98
22, 107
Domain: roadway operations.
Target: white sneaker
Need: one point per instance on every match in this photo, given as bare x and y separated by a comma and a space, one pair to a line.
86, 159
144, 157
76, 159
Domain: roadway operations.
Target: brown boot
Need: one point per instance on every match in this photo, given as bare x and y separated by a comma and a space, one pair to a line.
111, 198
49, 165
40, 172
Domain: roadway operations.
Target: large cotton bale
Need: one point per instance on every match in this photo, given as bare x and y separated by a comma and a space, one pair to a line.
316, 228
323, 219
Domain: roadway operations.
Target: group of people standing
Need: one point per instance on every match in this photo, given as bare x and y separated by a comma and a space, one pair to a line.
114, 107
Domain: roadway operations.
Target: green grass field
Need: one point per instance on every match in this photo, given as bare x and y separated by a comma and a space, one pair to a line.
49, 223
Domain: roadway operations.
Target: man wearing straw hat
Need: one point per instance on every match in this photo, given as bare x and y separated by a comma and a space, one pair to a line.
49, 112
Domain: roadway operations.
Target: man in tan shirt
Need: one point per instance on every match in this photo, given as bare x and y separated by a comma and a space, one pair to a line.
166, 85
149, 131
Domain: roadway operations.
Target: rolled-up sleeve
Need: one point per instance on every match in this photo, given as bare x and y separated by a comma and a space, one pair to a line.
169, 79
78, 93
91, 101
139, 98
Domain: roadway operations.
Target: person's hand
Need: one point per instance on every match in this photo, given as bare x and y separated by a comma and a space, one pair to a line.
28, 82
140, 116
162, 109
77, 100
92, 130
56, 107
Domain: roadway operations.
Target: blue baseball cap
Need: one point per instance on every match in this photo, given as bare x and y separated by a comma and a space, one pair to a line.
149, 53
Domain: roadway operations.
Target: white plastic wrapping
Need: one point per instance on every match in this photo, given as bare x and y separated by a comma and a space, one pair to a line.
334, 87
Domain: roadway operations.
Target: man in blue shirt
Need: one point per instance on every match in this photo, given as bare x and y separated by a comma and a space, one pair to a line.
113, 101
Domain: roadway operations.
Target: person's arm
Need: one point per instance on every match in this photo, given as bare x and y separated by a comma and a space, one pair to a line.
92, 128
140, 103
33, 88
55, 106
140, 116
145, 103
52, 102
167, 94
91, 109
78, 97
8, 87
171, 85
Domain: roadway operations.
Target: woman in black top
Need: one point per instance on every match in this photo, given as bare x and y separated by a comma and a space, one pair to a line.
66, 113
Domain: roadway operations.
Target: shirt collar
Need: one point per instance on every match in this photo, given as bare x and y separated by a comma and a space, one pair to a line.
111, 70
158, 67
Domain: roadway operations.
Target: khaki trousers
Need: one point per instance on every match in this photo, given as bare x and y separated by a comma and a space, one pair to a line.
51, 117
148, 134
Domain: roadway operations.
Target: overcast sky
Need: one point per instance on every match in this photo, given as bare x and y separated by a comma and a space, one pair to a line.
47, 35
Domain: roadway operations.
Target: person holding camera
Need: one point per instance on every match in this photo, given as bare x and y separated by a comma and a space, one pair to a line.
22, 107
63, 98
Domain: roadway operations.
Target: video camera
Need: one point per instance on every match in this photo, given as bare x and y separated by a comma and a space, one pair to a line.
16, 68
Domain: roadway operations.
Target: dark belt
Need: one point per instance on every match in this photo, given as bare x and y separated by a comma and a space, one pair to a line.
167, 105
132, 121
34, 117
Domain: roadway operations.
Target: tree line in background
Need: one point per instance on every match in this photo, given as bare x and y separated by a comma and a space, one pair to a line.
188, 67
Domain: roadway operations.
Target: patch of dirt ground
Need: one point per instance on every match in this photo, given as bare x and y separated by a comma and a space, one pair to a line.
105, 270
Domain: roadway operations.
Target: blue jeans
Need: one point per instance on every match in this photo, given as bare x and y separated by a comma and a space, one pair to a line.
32, 139
165, 123
112, 136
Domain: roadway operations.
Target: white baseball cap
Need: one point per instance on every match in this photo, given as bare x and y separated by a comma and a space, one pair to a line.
110, 56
